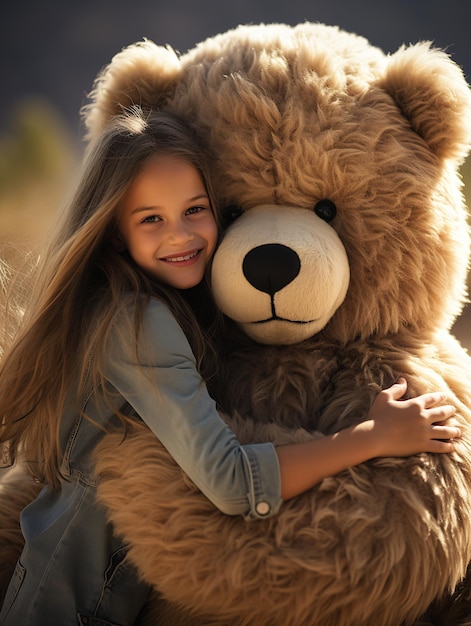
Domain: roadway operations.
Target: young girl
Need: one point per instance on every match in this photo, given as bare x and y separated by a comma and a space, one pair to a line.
120, 328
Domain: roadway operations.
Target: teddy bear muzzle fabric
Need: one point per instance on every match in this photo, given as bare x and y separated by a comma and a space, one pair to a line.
288, 273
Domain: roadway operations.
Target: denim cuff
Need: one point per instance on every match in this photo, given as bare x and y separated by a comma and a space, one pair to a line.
264, 494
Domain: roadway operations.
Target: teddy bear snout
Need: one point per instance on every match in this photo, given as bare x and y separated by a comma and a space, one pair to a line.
270, 267
280, 272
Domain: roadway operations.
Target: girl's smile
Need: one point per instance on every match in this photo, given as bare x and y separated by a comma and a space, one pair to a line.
166, 222
184, 259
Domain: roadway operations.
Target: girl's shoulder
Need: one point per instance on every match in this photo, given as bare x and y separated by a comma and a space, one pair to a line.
147, 309
158, 319
157, 330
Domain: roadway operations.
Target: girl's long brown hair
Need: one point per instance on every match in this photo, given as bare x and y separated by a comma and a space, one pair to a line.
83, 283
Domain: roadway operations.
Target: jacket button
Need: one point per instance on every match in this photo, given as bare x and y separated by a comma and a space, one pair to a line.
262, 508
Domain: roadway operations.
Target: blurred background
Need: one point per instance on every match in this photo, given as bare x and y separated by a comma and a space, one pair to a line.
50, 52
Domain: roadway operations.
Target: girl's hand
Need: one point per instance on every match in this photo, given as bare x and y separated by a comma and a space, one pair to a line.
406, 427
394, 427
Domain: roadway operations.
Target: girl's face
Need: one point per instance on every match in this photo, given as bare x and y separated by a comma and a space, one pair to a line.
166, 222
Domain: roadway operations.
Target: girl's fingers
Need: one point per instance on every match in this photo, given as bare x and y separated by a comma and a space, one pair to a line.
445, 432
450, 421
441, 447
398, 389
430, 400
440, 413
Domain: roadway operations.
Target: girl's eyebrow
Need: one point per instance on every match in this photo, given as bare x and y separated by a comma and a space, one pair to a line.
140, 209
202, 196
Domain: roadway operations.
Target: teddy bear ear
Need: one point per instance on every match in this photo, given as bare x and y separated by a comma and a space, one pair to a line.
143, 74
432, 93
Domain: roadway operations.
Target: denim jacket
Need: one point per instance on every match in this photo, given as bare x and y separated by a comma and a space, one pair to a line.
73, 569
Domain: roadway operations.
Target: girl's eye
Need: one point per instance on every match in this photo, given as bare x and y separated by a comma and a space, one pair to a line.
194, 209
151, 219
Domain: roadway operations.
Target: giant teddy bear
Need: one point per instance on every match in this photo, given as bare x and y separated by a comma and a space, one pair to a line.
343, 266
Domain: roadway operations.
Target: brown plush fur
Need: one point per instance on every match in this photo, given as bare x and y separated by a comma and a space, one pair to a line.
294, 116
374, 545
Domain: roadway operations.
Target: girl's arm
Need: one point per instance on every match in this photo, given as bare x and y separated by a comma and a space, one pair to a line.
165, 389
393, 428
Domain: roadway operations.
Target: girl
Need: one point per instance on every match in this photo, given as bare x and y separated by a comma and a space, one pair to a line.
105, 342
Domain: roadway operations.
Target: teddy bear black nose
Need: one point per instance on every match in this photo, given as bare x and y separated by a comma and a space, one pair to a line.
271, 267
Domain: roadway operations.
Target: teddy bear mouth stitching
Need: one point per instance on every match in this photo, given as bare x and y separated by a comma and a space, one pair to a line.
276, 318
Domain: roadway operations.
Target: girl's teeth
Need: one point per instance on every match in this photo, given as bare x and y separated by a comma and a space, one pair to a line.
187, 257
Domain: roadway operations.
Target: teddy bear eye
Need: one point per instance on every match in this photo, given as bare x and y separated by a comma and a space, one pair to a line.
326, 210
229, 214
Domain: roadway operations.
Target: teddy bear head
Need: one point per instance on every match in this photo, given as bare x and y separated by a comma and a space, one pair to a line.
336, 169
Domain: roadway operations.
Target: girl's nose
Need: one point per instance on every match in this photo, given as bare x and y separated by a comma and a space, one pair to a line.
180, 231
